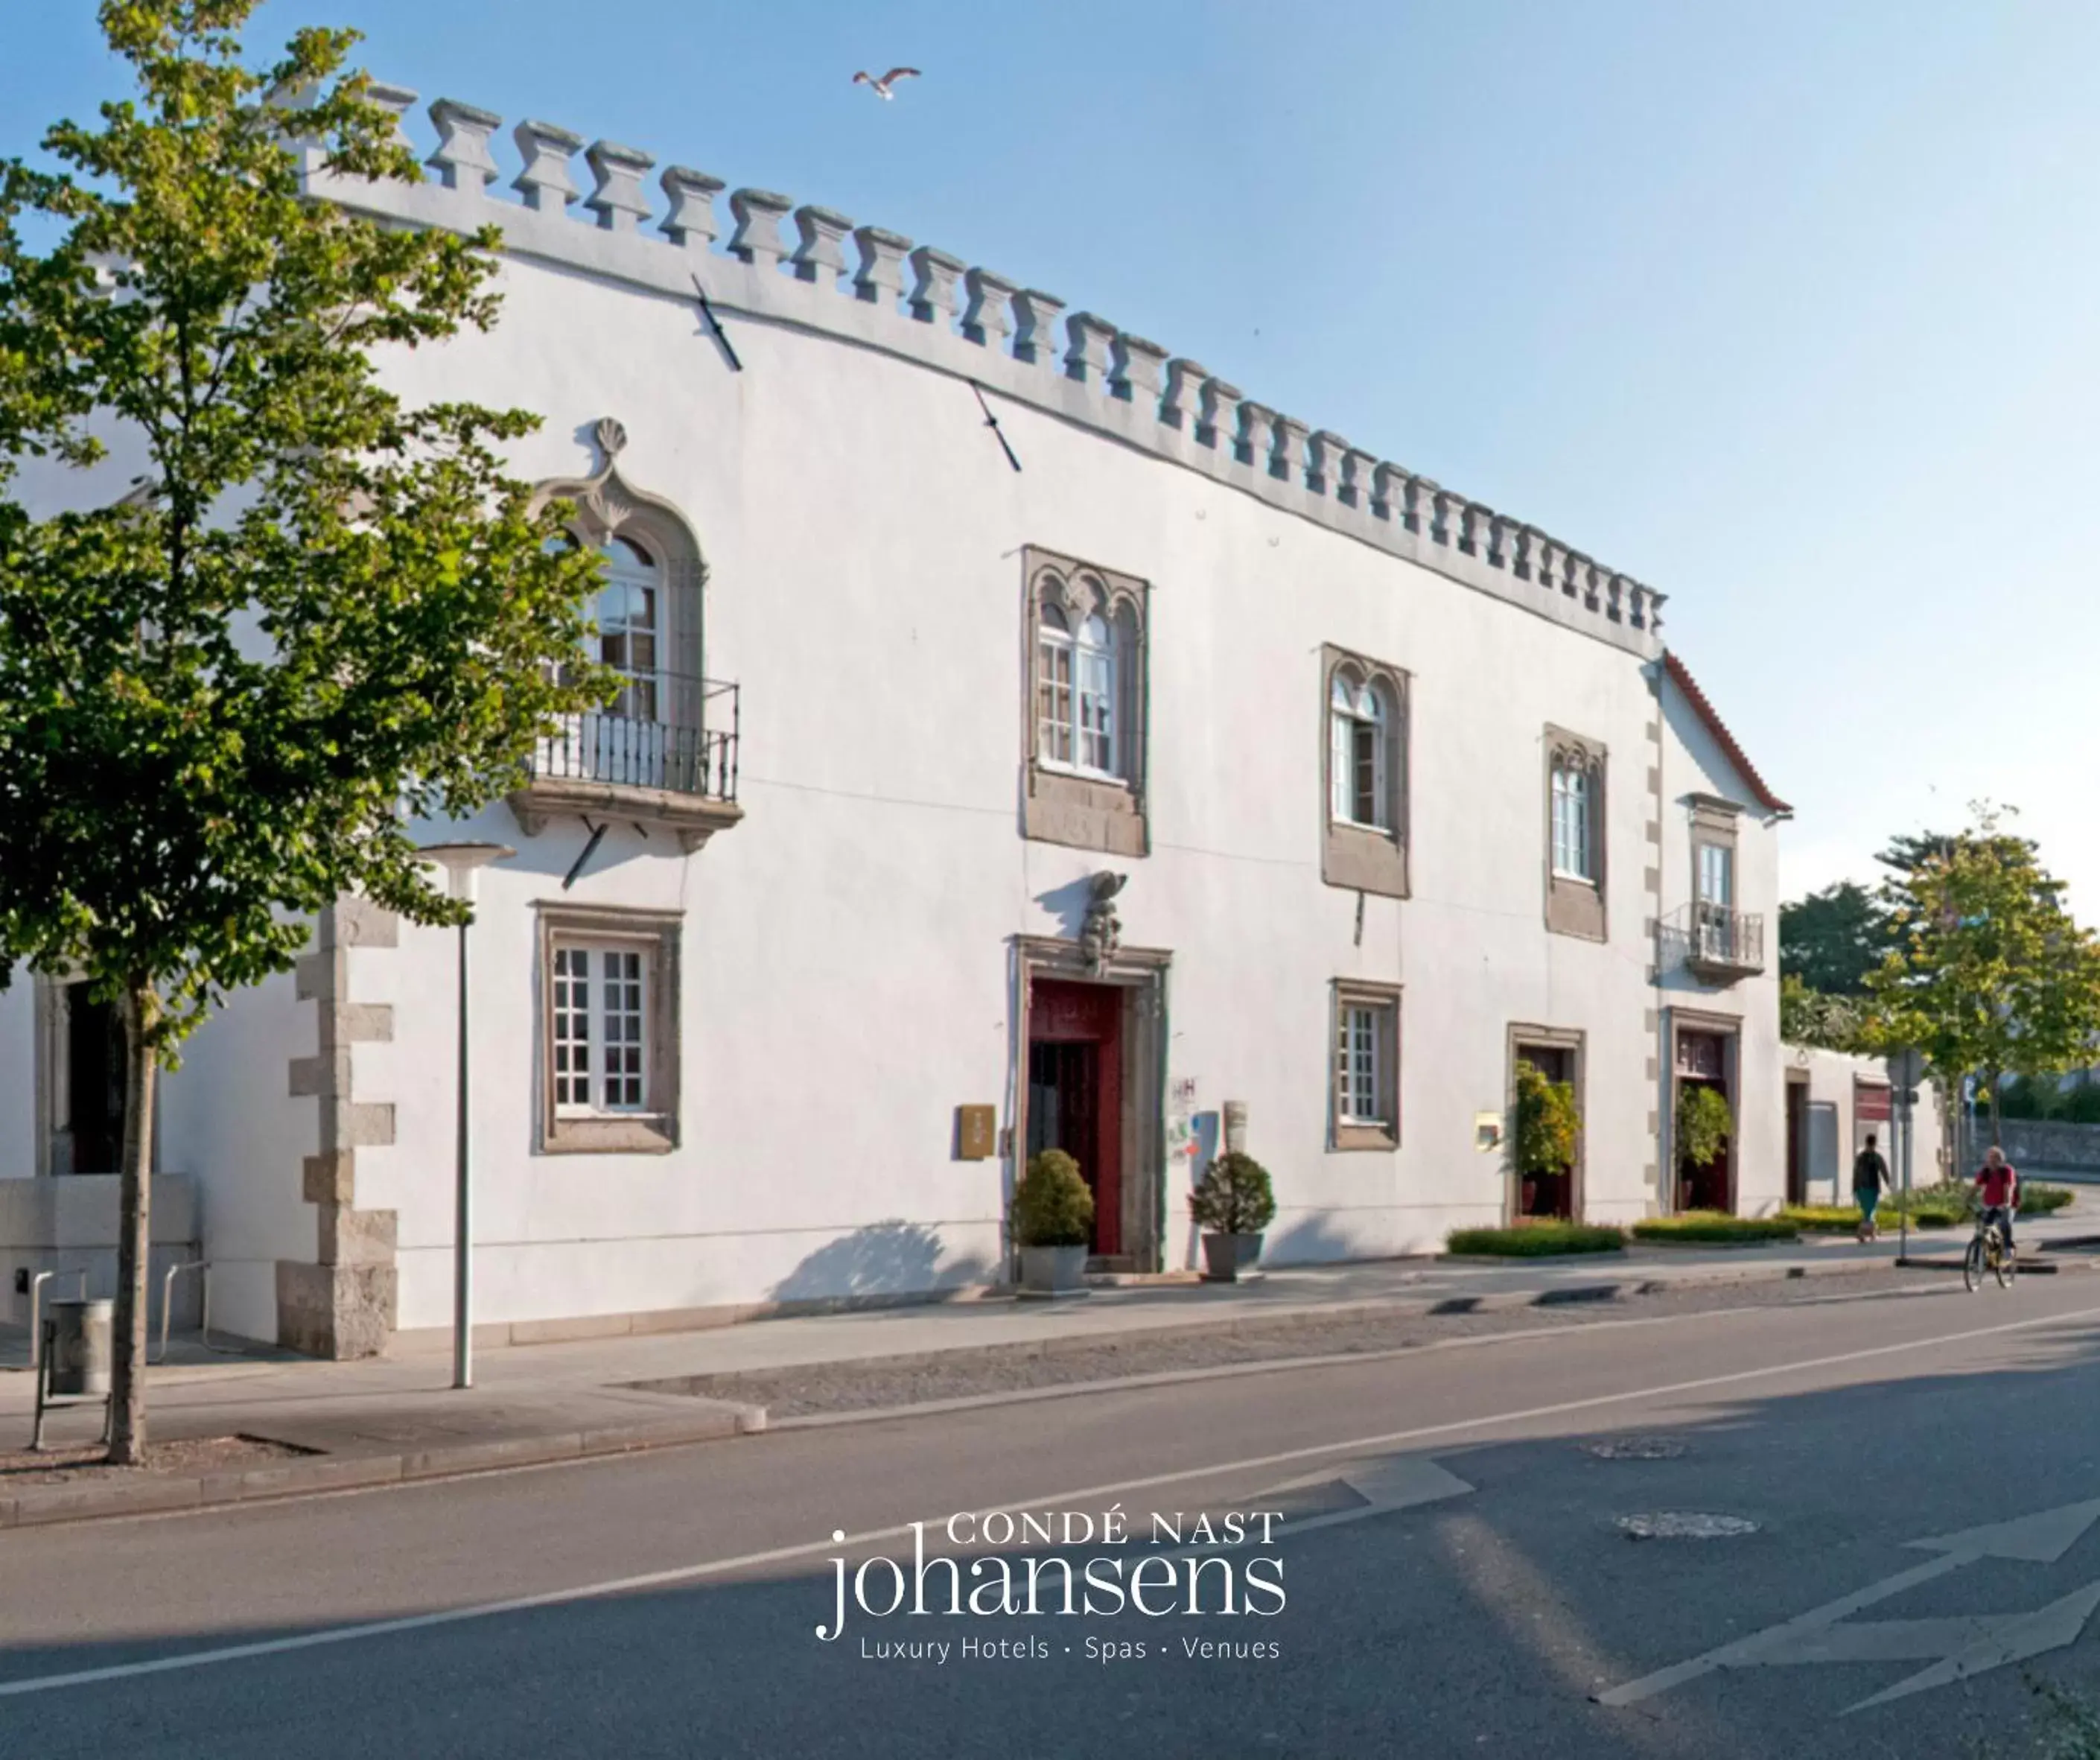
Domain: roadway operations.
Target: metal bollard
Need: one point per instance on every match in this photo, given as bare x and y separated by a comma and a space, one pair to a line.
203, 1268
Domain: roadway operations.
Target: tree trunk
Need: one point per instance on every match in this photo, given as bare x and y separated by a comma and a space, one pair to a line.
1997, 1115
127, 1432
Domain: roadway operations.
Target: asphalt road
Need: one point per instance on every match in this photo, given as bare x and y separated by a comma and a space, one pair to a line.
1450, 1575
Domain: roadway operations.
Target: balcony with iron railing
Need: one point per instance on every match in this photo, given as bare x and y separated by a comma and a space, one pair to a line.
1713, 943
664, 752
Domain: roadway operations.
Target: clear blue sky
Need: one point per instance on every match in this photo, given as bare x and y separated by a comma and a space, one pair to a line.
1788, 309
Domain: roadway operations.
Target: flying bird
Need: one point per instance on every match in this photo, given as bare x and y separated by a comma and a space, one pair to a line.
881, 87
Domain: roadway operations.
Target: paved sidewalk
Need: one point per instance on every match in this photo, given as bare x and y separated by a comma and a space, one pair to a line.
388, 1419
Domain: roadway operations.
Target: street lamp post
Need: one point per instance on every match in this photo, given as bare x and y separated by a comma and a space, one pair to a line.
461, 862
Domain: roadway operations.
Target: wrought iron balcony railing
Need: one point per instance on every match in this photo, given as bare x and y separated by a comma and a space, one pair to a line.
665, 732
1716, 945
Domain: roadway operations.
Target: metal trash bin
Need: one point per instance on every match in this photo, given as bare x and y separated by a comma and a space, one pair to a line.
80, 1343
83, 1342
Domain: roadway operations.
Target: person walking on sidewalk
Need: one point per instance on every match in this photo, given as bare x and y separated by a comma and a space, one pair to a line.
1870, 1179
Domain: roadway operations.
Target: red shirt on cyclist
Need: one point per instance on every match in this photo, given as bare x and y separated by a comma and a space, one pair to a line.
1998, 1187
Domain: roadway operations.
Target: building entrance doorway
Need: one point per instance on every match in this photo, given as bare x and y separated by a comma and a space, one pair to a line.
1548, 1193
92, 1137
1703, 1061
1075, 1091
1797, 1139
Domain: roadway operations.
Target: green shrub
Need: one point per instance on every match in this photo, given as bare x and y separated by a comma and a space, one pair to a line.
1233, 1196
1537, 1239
1051, 1206
2043, 1200
1716, 1225
1823, 1219
1547, 1121
1704, 1124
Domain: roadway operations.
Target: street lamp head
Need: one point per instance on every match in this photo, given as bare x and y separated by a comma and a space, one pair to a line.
462, 860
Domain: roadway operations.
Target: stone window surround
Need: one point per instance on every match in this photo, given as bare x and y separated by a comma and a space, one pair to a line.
1574, 1041
658, 934
1063, 806
1360, 857
1714, 822
1349, 992
1572, 907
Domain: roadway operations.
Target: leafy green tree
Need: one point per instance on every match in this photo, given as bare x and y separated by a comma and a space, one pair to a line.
318, 615
1807, 1016
1548, 1122
1832, 940
1908, 853
1990, 973
1704, 1124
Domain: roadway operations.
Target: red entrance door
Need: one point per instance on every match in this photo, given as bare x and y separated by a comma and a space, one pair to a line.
1075, 1090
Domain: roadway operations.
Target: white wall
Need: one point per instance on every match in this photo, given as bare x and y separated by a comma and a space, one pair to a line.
1836, 1133
1693, 763
18, 1078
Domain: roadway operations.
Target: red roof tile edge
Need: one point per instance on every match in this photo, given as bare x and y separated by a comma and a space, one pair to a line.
1722, 738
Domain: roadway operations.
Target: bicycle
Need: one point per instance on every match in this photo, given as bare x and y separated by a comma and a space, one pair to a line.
1988, 1248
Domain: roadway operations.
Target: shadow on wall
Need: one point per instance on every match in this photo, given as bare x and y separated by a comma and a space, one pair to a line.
1311, 1240
884, 1261
1068, 903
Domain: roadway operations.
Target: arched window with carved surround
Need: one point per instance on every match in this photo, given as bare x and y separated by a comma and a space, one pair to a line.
1086, 708
1364, 761
1576, 848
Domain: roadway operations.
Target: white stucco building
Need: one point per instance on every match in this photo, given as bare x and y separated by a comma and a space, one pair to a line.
976, 788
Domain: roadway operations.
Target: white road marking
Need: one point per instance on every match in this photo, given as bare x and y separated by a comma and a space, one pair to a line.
197, 1659
1397, 1482
1966, 1647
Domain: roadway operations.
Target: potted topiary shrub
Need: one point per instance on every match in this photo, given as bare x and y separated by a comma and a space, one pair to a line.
1232, 1203
1053, 1221
1704, 1125
1542, 1144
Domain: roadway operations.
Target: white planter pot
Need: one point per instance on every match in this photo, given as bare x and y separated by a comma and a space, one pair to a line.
1053, 1271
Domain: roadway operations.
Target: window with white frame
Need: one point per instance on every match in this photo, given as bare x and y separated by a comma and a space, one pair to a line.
1573, 820
1364, 1085
1360, 723
600, 1031
629, 615
610, 1057
1717, 875
1076, 693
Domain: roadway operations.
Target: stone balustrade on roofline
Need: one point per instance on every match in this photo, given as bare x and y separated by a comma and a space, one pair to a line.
923, 305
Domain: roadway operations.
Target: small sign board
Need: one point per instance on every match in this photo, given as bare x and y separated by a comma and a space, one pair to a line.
976, 1130
1487, 1131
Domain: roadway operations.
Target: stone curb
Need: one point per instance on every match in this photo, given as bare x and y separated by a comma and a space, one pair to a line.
46, 1505
1166, 1378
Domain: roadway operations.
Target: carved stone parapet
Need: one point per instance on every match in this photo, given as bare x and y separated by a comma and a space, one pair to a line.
1181, 408
463, 159
820, 259
397, 99
1036, 341
1255, 442
879, 280
1473, 522
545, 182
1325, 449
759, 213
691, 194
1135, 366
1219, 428
935, 276
1425, 511
988, 320
1389, 488
1286, 448
1087, 357
617, 200
1354, 488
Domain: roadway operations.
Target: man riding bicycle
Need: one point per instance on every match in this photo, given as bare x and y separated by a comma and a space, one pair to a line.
1998, 1191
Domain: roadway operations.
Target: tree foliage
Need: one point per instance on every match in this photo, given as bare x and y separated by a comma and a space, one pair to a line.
1834, 939
1546, 1124
1990, 973
1807, 1016
1234, 1196
318, 613
1052, 1204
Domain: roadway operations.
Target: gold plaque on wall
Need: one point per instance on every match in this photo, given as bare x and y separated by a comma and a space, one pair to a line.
975, 1128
